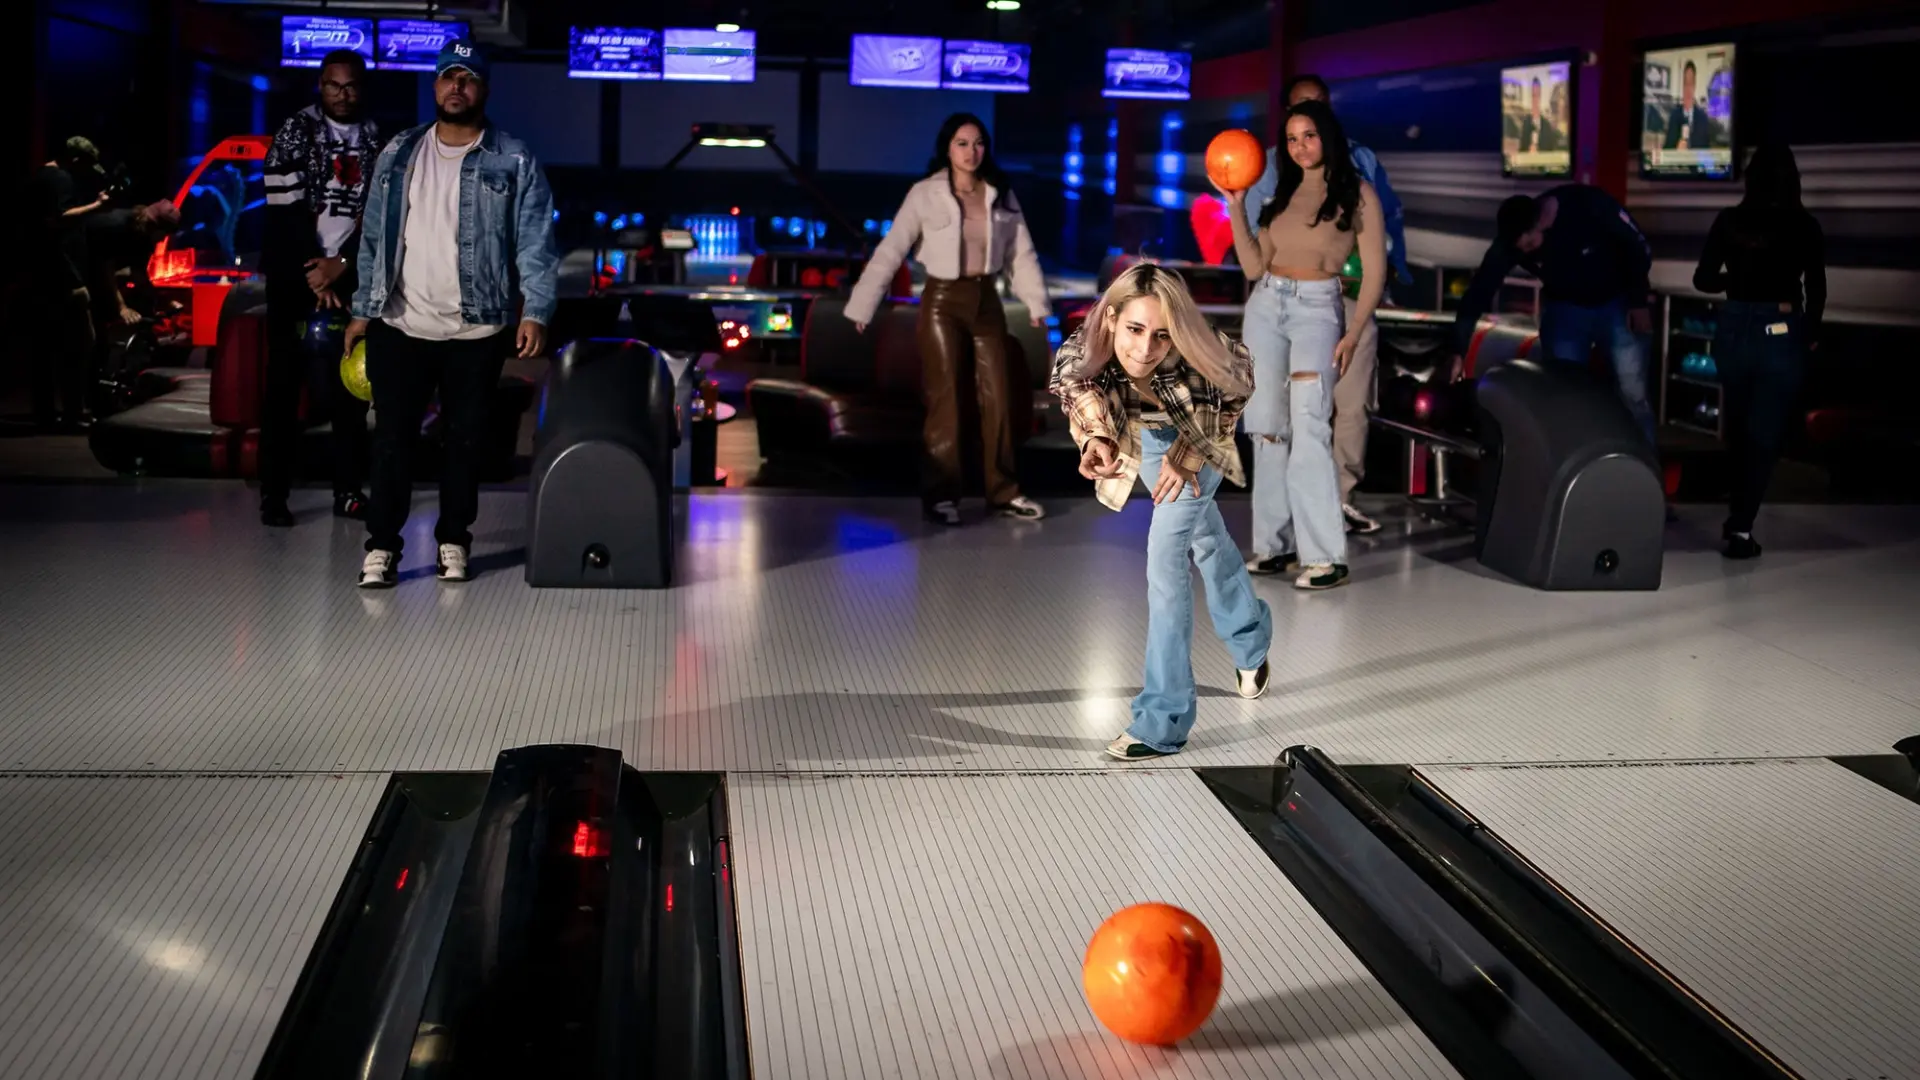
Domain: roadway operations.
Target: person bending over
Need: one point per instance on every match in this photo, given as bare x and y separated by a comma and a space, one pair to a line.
53, 304
316, 177
1354, 393
1592, 262
1302, 341
458, 234
1768, 255
1150, 391
964, 225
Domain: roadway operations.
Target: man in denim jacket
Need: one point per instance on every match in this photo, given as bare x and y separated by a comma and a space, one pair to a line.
456, 248
1353, 394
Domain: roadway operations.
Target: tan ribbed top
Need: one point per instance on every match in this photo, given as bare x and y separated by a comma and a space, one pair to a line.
1297, 244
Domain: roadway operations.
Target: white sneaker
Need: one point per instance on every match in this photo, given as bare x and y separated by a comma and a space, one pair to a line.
1021, 507
378, 570
1251, 684
1358, 522
944, 513
1128, 748
1321, 576
453, 562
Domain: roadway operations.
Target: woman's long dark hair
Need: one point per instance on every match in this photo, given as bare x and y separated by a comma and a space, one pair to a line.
1773, 179
989, 170
1343, 180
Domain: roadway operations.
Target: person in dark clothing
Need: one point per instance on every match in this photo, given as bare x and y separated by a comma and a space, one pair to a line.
316, 177
54, 303
121, 242
1592, 262
1768, 255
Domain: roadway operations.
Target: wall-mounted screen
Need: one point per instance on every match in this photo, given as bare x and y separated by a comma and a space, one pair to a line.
1148, 73
304, 39
613, 52
984, 65
708, 55
885, 60
414, 44
1687, 112
1536, 119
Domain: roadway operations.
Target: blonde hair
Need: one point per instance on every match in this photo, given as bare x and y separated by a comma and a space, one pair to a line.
1192, 338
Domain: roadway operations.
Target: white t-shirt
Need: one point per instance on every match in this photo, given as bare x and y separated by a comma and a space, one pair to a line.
339, 211
426, 294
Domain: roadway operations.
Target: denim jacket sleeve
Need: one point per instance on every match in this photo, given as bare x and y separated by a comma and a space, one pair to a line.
1370, 169
1260, 192
537, 261
373, 235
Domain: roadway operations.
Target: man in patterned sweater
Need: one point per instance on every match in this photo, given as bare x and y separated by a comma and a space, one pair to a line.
317, 173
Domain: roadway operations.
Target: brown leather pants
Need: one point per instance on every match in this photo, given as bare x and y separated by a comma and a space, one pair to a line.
953, 315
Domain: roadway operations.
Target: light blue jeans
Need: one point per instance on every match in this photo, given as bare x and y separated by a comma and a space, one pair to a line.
1291, 328
1569, 333
1164, 712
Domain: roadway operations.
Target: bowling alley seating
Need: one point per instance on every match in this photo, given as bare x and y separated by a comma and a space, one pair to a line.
206, 422
855, 411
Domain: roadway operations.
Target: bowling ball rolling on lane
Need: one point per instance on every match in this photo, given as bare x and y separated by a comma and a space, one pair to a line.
1152, 974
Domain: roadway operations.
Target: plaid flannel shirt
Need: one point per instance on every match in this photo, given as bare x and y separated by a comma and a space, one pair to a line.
1107, 405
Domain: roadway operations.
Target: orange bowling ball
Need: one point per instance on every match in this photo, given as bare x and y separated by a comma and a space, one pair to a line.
1235, 160
1152, 974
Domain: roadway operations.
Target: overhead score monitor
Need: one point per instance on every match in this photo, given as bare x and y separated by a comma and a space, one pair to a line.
707, 55
889, 60
613, 52
985, 65
305, 39
414, 44
1148, 73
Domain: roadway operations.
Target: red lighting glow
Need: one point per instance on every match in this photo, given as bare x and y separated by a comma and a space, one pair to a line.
735, 211
669, 896
1422, 404
589, 842
402, 883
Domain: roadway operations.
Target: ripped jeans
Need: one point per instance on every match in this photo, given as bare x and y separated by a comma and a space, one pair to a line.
1291, 329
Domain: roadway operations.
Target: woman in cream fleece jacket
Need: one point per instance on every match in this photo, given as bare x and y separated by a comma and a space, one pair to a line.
963, 224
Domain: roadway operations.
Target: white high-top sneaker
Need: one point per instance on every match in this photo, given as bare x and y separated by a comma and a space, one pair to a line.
453, 563
380, 570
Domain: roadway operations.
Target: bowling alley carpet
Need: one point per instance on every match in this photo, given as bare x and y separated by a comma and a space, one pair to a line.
197, 717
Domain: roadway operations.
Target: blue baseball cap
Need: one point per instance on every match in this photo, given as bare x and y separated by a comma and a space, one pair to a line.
461, 54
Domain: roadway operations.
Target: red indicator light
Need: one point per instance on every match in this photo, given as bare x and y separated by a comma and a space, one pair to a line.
669, 896
735, 211
589, 842
402, 883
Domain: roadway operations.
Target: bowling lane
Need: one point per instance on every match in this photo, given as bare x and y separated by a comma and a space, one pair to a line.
1781, 891
933, 926
153, 925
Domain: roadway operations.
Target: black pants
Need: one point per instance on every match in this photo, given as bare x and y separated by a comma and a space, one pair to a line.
405, 372
290, 366
1760, 373
61, 322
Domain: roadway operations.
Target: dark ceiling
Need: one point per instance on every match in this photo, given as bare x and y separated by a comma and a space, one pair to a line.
820, 30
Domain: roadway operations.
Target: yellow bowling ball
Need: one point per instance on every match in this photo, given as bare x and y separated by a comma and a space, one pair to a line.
353, 371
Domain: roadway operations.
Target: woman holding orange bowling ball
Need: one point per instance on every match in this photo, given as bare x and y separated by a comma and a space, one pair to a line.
1301, 339
964, 225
